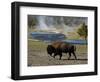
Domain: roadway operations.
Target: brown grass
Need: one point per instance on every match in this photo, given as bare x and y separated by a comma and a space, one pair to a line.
37, 55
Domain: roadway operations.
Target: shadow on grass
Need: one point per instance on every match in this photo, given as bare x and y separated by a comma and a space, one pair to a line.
76, 59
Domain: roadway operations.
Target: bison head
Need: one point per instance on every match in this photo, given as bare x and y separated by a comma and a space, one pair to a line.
50, 50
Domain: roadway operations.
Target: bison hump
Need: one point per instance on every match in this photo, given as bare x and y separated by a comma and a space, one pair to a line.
57, 44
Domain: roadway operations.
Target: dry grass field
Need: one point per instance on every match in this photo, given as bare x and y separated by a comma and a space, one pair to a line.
37, 55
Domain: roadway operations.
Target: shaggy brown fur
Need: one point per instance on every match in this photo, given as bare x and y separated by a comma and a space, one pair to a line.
59, 47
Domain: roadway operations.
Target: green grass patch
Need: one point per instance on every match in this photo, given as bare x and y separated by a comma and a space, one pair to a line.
36, 45
81, 48
41, 46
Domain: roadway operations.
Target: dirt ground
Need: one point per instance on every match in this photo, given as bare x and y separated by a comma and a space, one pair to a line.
37, 56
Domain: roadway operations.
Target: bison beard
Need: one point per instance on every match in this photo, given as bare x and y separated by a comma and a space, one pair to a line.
61, 47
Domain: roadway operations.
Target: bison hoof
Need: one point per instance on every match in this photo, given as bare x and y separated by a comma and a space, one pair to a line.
53, 56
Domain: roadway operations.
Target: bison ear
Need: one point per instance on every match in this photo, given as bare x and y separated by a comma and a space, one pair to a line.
49, 45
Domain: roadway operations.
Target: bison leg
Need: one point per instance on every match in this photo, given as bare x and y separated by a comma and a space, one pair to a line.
69, 55
51, 55
74, 55
60, 56
55, 55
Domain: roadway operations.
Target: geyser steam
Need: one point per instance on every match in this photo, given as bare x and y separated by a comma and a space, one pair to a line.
56, 23
48, 23
42, 23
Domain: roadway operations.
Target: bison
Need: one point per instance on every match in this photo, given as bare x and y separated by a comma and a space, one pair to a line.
58, 47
